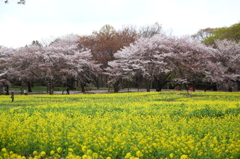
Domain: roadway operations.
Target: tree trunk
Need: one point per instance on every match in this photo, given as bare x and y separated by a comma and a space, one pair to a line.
97, 83
238, 85
205, 88
214, 87
29, 86
105, 81
70, 83
82, 87
148, 86
32, 83
171, 86
96, 80
1, 89
157, 85
51, 87
7, 90
116, 89
161, 80
101, 80
160, 84
116, 86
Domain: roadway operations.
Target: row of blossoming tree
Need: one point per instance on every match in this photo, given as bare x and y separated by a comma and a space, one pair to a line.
163, 59
123, 57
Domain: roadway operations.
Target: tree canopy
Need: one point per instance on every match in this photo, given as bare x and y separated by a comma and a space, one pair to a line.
123, 56
162, 59
209, 35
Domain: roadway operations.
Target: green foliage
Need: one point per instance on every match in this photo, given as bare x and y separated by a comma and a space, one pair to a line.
230, 33
206, 112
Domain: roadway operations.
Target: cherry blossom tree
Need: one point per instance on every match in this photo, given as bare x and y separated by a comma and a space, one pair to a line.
226, 62
147, 56
190, 61
80, 64
5, 54
162, 59
53, 64
21, 65
117, 74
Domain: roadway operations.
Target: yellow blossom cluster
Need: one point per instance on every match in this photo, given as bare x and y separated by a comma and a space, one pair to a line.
122, 125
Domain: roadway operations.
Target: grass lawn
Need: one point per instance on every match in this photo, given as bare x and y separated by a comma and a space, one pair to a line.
43, 89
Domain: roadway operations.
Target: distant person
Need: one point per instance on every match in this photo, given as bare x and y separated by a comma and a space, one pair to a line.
25, 92
68, 90
12, 96
187, 88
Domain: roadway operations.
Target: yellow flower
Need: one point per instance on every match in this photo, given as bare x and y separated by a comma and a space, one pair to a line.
84, 148
52, 152
128, 155
42, 154
77, 157
154, 144
132, 157
171, 155
95, 155
59, 150
35, 153
184, 157
4, 150
84, 157
89, 152
70, 150
139, 154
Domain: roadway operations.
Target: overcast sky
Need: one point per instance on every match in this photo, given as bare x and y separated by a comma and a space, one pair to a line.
44, 20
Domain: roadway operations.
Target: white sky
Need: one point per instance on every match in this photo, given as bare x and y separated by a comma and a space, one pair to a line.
47, 19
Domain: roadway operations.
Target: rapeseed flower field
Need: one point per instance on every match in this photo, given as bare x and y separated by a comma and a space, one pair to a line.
140, 125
